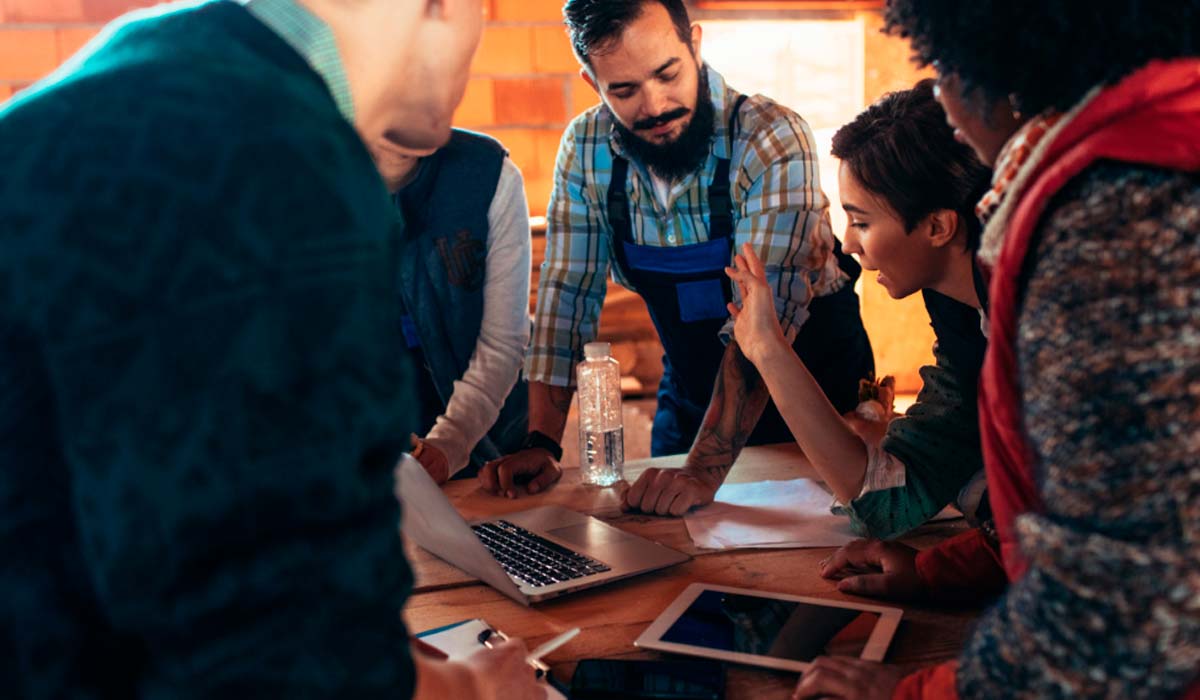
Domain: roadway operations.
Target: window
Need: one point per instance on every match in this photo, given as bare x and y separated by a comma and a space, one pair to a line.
814, 66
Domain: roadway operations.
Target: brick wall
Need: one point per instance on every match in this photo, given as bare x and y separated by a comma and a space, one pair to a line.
524, 82
524, 85
37, 35
524, 88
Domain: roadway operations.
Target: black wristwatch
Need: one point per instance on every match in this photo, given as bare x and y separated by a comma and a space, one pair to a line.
542, 441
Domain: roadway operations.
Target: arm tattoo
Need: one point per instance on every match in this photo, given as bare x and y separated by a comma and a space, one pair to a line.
738, 401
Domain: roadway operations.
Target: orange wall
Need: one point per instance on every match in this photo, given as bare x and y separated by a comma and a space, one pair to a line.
524, 85
37, 35
899, 330
524, 88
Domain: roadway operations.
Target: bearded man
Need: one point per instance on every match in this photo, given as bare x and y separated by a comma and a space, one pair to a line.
660, 183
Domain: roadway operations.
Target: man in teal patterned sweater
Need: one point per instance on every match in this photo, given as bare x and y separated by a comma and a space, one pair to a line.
200, 400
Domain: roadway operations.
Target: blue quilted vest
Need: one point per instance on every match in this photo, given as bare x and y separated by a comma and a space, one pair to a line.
443, 260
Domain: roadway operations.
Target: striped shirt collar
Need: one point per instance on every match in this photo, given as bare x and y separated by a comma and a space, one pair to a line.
312, 39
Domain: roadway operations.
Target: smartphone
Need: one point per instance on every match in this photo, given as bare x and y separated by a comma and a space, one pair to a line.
610, 679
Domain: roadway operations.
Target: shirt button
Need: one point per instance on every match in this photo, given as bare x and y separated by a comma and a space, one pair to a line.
671, 238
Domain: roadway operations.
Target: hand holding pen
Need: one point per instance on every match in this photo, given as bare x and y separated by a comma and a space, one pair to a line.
534, 658
501, 670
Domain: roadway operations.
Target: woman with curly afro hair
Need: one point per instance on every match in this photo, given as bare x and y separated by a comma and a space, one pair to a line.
1090, 391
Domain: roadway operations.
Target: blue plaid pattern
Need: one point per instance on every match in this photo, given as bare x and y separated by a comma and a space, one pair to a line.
778, 208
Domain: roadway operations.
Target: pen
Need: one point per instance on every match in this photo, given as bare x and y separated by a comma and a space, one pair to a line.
535, 657
537, 654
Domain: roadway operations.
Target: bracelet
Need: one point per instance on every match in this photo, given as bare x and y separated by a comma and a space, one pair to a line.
542, 441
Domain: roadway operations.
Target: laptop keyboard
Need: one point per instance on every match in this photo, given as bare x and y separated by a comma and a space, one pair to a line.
534, 560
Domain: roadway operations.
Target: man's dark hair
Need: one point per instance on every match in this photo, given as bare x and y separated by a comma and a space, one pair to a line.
1044, 53
594, 25
902, 150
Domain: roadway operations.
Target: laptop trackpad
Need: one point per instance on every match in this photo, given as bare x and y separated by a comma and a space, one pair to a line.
589, 534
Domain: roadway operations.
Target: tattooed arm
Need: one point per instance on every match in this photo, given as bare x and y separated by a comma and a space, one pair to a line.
548, 408
738, 400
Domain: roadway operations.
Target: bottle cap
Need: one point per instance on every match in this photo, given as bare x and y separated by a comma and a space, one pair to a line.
597, 351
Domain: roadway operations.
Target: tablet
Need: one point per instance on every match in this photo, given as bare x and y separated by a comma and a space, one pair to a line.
773, 630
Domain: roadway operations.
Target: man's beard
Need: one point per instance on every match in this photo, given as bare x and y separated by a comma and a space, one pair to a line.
674, 160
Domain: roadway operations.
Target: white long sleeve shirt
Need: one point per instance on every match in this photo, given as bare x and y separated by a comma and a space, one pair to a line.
495, 365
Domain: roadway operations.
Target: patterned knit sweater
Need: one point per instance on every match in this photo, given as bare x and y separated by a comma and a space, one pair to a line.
199, 397
1109, 356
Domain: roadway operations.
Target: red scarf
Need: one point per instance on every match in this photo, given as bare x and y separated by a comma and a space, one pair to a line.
1152, 117
1010, 161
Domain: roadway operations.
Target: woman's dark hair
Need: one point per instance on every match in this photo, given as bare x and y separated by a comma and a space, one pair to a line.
593, 24
902, 150
1043, 53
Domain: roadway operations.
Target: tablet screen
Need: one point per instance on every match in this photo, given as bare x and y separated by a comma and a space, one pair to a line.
782, 629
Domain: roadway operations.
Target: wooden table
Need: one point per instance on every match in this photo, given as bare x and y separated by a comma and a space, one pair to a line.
612, 616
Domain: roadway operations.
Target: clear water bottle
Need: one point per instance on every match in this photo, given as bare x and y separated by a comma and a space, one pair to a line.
601, 432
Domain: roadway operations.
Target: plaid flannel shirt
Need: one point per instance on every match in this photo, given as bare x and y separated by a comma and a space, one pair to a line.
779, 208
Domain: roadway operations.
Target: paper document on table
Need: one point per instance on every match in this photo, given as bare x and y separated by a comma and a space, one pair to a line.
457, 641
769, 514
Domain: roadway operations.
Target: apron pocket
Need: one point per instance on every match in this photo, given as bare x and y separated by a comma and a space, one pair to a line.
703, 300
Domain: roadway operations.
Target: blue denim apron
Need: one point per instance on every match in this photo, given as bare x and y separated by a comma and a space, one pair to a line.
685, 289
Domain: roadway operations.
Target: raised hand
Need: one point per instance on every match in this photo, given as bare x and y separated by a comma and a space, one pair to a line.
756, 325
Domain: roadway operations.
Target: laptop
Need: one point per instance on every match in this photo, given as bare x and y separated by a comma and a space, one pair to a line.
529, 556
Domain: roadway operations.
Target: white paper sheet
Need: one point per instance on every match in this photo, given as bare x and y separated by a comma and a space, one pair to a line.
769, 514
456, 641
